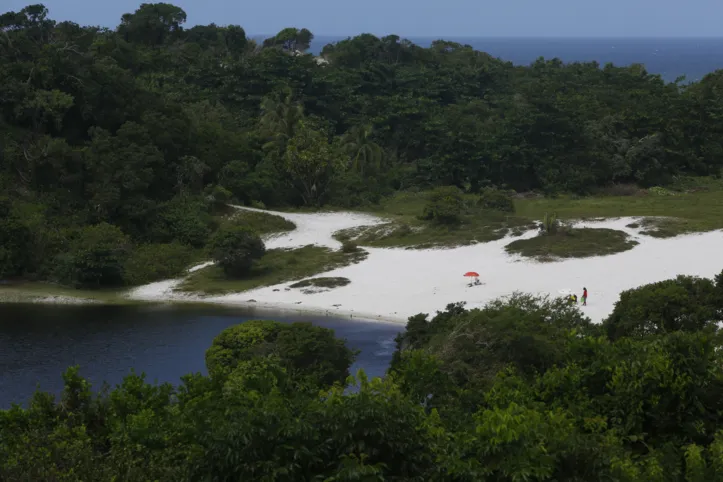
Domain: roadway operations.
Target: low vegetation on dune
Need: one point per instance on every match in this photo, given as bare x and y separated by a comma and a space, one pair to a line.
557, 240
442, 218
687, 206
447, 217
274, 267
262, 223
155, 262
573, 243
30, 292
321, 282
663, 227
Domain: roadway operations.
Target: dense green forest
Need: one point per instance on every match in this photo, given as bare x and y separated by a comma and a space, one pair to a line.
525, 389
119, 146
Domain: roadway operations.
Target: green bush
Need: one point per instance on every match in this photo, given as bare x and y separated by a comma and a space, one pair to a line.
307, 352
496, 199
153, 262
95, 257
444, 206
183, 219
349, 246
235, 248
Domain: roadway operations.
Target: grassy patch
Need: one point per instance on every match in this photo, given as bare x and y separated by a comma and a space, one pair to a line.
573, 243
154, 262
405, 229
331, 282
33, 291
261, 223
692, 205
277, 266
665, 227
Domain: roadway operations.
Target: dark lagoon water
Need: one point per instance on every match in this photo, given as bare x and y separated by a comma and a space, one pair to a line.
38, 342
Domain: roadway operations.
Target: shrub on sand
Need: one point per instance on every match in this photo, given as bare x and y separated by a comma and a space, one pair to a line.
445, 206
497, 200
550, 224
235, 248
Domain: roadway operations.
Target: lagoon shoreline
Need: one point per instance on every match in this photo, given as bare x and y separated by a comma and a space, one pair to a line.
393, 284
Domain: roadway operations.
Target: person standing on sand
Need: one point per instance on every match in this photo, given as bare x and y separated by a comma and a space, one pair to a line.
584, 297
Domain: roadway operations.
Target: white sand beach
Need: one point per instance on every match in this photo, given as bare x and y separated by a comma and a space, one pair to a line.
393, 284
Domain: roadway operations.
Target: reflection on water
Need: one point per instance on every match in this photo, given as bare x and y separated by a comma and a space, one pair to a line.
38, 342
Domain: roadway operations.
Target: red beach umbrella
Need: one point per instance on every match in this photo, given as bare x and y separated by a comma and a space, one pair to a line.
471, 274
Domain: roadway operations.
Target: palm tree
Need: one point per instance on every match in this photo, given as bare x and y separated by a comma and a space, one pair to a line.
363, 151
280, 115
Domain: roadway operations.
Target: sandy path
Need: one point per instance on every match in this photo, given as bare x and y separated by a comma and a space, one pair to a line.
393, 284
315, 228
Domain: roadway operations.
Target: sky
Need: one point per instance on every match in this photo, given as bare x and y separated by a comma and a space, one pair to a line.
425, 18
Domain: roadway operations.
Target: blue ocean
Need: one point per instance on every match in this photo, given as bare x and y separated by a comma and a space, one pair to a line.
669, 57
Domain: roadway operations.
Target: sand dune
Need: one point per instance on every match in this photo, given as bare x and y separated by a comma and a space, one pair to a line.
393, 284
316, 228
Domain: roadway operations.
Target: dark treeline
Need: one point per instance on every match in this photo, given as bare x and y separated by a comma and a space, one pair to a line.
525, 389
121, 143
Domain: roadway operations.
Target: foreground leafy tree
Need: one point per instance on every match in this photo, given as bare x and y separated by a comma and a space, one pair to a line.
235, 248
304, 350
525, 332
585, 421
607, 409
685, 303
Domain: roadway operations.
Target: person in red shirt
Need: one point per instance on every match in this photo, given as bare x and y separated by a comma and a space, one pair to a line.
584, 297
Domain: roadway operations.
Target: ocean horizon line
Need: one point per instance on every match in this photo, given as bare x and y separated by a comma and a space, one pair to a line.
505, 37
